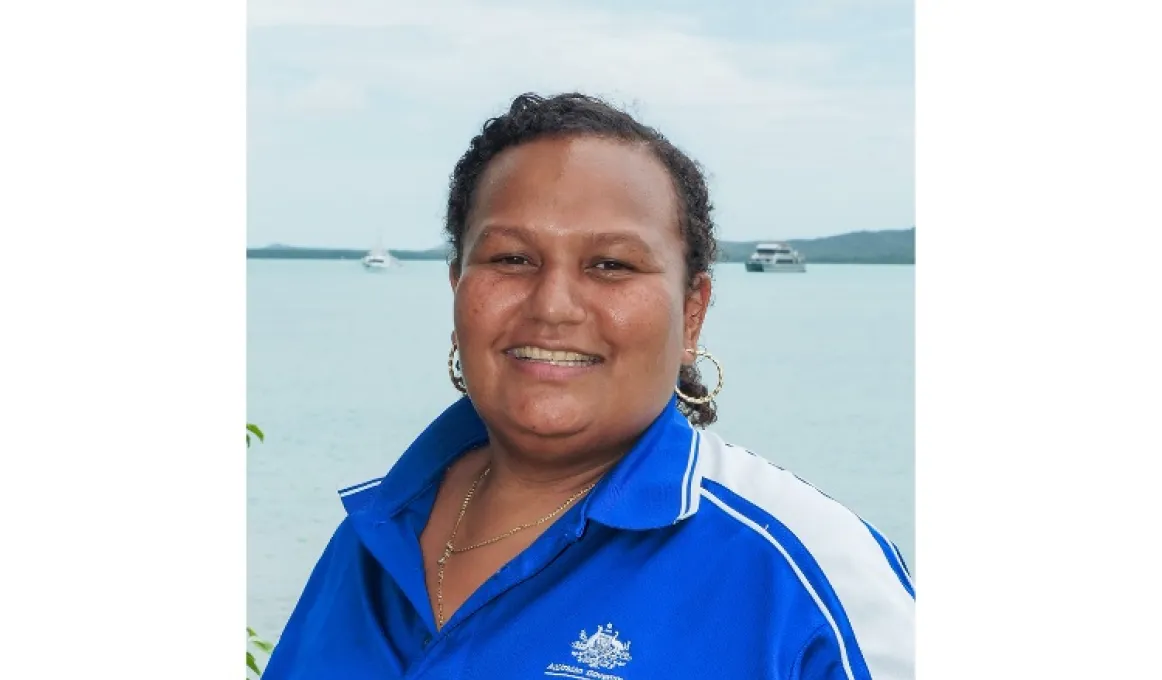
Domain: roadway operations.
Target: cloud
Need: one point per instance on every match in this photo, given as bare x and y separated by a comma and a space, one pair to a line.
460, 50
359, 108
328, 95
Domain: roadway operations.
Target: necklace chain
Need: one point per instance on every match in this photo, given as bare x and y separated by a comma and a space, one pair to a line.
450, 549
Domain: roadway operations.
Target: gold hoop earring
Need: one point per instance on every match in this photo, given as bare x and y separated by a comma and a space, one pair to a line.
453, 364
717, 388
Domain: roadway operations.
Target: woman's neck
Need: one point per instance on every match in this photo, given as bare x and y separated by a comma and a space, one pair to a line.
519, 477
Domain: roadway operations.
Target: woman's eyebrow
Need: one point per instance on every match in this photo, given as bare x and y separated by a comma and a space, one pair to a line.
511, 231
621, 238
605, 239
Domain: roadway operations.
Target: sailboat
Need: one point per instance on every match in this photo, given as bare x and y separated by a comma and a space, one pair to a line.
378, 259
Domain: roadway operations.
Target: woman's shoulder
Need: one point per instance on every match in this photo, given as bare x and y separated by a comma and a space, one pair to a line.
812, 544
746, 474
793, 517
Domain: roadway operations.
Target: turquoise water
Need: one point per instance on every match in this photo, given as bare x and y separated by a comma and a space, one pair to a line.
345, 368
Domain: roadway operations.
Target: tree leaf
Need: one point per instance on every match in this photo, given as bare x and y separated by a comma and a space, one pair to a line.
257, 432
250, 632
251, 664
264, 646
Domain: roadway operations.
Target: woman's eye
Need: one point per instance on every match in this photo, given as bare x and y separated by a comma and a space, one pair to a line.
611, 266
511, 259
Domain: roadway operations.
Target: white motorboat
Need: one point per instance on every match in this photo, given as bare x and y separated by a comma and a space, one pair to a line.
776, 257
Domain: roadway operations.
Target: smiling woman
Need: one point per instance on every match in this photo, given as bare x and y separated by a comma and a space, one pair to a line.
573, 487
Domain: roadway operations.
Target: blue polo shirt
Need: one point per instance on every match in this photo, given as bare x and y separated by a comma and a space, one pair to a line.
692, 558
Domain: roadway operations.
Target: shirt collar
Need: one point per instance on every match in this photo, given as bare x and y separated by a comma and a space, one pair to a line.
656, 484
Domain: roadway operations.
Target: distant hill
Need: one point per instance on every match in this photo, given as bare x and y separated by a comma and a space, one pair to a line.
437, 253
281, 252
859, 247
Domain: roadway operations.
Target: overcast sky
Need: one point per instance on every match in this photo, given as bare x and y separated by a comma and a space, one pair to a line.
801, 111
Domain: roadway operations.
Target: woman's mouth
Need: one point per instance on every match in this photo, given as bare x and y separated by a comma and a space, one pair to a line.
563, 358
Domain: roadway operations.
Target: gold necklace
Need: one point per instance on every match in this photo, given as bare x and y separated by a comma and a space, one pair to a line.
449, 550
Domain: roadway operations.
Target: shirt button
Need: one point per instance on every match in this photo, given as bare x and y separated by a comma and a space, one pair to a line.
427, 641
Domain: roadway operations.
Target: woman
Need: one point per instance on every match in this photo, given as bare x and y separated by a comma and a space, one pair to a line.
568, 517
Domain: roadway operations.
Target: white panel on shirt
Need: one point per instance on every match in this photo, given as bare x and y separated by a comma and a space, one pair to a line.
879, 610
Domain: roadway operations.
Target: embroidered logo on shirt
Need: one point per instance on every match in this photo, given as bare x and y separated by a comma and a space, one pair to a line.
603, 649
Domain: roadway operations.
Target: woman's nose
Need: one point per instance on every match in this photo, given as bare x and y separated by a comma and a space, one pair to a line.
556, 298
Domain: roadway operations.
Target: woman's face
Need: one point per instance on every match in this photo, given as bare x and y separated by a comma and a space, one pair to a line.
572, 310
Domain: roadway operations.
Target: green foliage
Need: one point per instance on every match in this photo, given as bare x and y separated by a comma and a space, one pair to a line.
253, 642
252, 428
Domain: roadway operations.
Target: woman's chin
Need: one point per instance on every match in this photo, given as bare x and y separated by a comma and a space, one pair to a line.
551, 413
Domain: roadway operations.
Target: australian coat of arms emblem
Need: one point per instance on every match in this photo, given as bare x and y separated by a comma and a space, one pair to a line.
602, 649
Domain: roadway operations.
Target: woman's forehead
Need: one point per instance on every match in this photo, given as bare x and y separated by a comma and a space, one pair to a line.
581, 181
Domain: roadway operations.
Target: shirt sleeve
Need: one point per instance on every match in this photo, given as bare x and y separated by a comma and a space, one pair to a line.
822, 659
819, 659
882, 648
282, 659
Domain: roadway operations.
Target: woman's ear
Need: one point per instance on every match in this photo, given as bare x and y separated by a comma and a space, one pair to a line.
454, 274
694, 312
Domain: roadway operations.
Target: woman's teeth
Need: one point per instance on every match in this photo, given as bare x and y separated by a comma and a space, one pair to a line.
554, 357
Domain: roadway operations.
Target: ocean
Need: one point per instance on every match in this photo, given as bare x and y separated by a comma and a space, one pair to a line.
346, 367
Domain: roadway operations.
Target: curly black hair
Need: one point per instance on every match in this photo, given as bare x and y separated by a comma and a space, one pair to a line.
532, 116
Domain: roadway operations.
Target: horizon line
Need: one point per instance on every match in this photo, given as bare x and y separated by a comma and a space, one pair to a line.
721, 240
